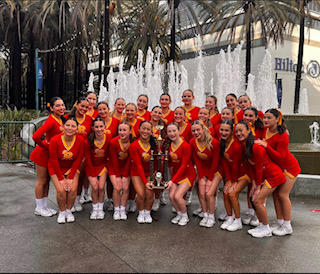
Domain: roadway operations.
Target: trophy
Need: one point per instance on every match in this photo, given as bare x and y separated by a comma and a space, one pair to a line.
159, 180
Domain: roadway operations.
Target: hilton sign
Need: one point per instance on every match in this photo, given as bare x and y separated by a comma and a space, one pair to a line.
286, 64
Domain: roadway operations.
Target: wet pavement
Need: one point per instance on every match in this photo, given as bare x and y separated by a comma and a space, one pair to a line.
30, 243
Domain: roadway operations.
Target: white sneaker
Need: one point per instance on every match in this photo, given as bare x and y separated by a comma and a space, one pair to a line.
176, 219
188, 198
123, 215
140, 218
128, 205
133, 206
86, 198
156, 205
100, 215
204, 221
61, 218
254, 221
44, 212
53, 211
94, 215
109, 205
197, 211
201, 214
173, 210
282, 231
274, 226
254, 229
234, 226
262, 232
70, 217
210, 222
226, 223
116, 215
73, 209
163, 200
77, 207
148, 219
247, 219
223, 216
183, 220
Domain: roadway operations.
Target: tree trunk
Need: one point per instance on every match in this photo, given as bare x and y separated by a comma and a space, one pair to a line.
106, 42
79, 73
300, 59
173, 5
100, 45
248, 50
75, 76
31, 74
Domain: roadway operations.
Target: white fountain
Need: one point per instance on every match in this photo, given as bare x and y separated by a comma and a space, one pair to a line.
303, 103
198, 86
90, 83
314, 131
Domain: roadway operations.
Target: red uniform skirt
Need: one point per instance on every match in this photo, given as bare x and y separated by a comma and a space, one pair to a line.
40, 156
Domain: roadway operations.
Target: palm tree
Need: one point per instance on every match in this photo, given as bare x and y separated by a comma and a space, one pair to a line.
275, 18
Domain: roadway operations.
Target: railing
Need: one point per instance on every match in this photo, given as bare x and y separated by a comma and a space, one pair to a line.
15, 145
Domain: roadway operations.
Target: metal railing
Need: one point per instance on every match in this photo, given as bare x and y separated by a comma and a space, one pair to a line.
16, 142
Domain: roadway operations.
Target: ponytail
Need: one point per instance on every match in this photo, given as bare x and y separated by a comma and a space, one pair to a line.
207, 135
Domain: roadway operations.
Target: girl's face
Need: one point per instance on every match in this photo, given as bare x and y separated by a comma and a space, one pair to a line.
226, 114
210, 103
165, 101
120, 105
131, 111
92, 98
225, 131
70, 128
197, 131
58, 108
124, 131
244, 102
173, 132
179, 115
142, 102
203, 115
242, 132
99, 128
145, 131
269, 120
156, 114
82, 107
249, 116
231, 102
187, 97
103, 111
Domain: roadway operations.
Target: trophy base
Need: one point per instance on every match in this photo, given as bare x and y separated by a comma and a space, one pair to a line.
158, 187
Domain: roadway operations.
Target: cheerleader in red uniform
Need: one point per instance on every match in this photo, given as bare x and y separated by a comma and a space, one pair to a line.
226, 114
182, 173
205, 155
92, 99
180, 119
266, 177
110, 122
40, 155
244, 102
97, 154
191, 110
204, 117
142, 104
231, 101
79, 111
66, 152
119, 170
118, 108
139, 152
167, 114
211, 104
276, 143
132, 119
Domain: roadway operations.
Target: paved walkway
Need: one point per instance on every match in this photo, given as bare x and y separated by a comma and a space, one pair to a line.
35, 244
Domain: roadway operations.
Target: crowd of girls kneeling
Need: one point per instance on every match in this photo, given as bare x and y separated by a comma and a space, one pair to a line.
94, 147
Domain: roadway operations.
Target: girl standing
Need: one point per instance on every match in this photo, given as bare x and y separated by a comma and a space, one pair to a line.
180, 119
191, 110
211, 105
231, 101
92, 99
142, 104
110, 122
167, 113
118, 109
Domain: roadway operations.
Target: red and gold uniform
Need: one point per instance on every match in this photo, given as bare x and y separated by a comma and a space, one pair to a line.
185, 132
84, 125
191, 113
140, 160
93, 113
51, 127
168, 117
135, 127
278, 150
180, 162
97, 157
65, 160
238, 116
118, 118
256, 132
206, 160
119, 158
144, 115
215, 119
112, 127
264, 170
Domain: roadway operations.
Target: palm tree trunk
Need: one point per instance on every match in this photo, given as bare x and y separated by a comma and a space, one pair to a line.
248, 49
173, 5
300, 59
100, 49
31, 75
75, 76
106, 42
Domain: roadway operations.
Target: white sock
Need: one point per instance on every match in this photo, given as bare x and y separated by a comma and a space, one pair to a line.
179, 213
251, 211
94, 206
85, 191
229, 218
141, 212
77, 198
238, 220
266, 227
39, 203
62, 212
156, 200
211, 216
116, 208
280, 221
68, 211
122, 208
287, 223
205, 215
184, 214
100, 206
147, 212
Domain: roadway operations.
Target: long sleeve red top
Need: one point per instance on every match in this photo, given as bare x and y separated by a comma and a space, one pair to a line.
119, 158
